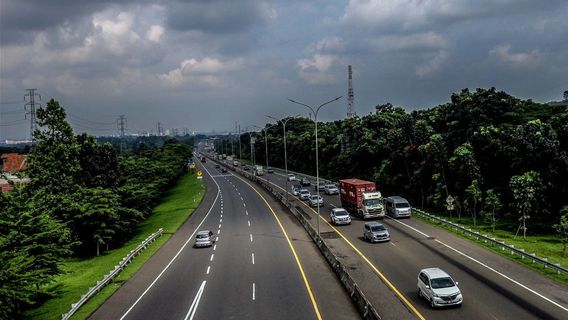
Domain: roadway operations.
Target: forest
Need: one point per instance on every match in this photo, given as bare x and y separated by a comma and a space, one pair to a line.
499, 157
83, 198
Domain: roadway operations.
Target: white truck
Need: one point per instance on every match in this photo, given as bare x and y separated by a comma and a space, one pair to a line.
258, 170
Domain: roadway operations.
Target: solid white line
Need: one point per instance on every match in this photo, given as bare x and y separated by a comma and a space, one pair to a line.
214, 247
248, 223
177, 254
503, 275
195, 303
253, 258
488, 267
404, 224
251, 237
212, 255
208, 268
253, 291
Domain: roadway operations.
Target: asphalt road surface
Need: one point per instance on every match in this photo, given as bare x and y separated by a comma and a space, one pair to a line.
493, 286
255, 270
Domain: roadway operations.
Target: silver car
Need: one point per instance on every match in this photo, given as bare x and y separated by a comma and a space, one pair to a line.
304, 194
295, 190
375, 232
204, 238
436, 286
291, 177
316, 201
339, 216
330, 189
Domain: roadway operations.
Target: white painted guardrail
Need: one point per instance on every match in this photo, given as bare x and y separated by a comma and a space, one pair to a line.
485, 238
113, 273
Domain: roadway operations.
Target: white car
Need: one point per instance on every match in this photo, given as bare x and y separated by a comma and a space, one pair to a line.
339, 216
304, 194
291, 177
436, 286
295, 190
316, 201
204, 238
330, 189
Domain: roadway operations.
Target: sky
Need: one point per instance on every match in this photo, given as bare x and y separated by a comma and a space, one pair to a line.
206, 64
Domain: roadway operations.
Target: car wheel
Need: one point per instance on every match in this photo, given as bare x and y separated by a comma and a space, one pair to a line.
420, 293
432, 305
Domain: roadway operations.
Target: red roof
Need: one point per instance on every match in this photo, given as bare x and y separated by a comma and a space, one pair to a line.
356, 182
13, 162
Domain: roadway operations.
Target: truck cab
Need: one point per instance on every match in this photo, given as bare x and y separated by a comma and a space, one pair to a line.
373, 205
361, 198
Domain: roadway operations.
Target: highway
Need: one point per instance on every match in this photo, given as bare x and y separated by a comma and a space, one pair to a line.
493, 286
255, 270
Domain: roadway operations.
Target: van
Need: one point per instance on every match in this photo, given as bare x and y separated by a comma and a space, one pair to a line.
398, 207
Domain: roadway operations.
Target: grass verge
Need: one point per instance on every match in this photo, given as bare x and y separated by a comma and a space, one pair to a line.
544, 246
175, 207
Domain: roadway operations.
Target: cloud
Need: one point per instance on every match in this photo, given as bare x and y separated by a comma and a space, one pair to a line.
503, 54
317, 70
432, 66
214, 16
155, 33
208, 71
411, 43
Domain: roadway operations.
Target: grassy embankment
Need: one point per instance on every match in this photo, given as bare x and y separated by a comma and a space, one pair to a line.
544, 246
175, 207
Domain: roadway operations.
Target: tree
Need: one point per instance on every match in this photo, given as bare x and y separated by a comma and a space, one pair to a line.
525, 189
562, 229
475, 193
566, 95
493, 202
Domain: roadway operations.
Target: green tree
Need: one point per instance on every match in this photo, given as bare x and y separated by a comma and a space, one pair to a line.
494, 204
562, 229
525, 190
474, 193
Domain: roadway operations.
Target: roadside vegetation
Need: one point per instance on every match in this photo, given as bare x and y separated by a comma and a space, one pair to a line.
501, 159
83, 200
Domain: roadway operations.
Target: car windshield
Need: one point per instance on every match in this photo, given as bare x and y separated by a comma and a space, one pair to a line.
202, 236
330, 186
304, 192
315, 197
372, 202
341, 213
439, 283
403, 205
378, 228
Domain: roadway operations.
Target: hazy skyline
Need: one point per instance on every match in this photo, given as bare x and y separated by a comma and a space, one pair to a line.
203, 65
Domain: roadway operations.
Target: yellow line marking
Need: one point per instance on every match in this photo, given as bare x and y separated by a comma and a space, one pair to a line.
306, 282
377, 271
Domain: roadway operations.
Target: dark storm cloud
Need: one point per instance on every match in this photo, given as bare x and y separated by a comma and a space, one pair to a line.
215, 16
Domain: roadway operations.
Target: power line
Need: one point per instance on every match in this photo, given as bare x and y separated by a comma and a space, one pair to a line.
76, 118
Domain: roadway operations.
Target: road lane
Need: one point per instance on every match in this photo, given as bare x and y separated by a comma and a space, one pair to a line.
494, 295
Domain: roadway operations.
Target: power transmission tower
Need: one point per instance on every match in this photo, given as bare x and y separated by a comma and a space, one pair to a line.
30, 108
350, 95
121, 124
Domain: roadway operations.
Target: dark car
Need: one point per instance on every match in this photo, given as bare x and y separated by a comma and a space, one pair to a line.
305, 182
217, 166
270, 170
246, 168
224, 170
321, 186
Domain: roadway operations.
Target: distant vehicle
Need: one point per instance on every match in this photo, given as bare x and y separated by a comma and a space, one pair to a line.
204, 238
330, 189
375, 232
258, 170
217, 166
219, 157
361, 198
236, 163
304, 194
321, 186
339, 216
229, 158
295, 190
316, 201
436, 286
246, 167
398, 207
291, 177
224, 170
270, 170
224, 156
305, 182
203, 159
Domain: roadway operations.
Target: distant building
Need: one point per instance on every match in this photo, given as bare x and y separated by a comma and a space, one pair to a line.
12, 163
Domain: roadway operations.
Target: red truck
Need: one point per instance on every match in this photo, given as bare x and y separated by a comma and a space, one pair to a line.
361, 198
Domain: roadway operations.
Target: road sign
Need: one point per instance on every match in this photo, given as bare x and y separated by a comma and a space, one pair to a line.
450, 200
199, 174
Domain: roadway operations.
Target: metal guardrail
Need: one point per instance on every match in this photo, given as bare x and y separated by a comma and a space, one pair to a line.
113, 273
485, 238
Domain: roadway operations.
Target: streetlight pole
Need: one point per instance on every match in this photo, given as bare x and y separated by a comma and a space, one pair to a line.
265, 129
284, 121
315, 111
